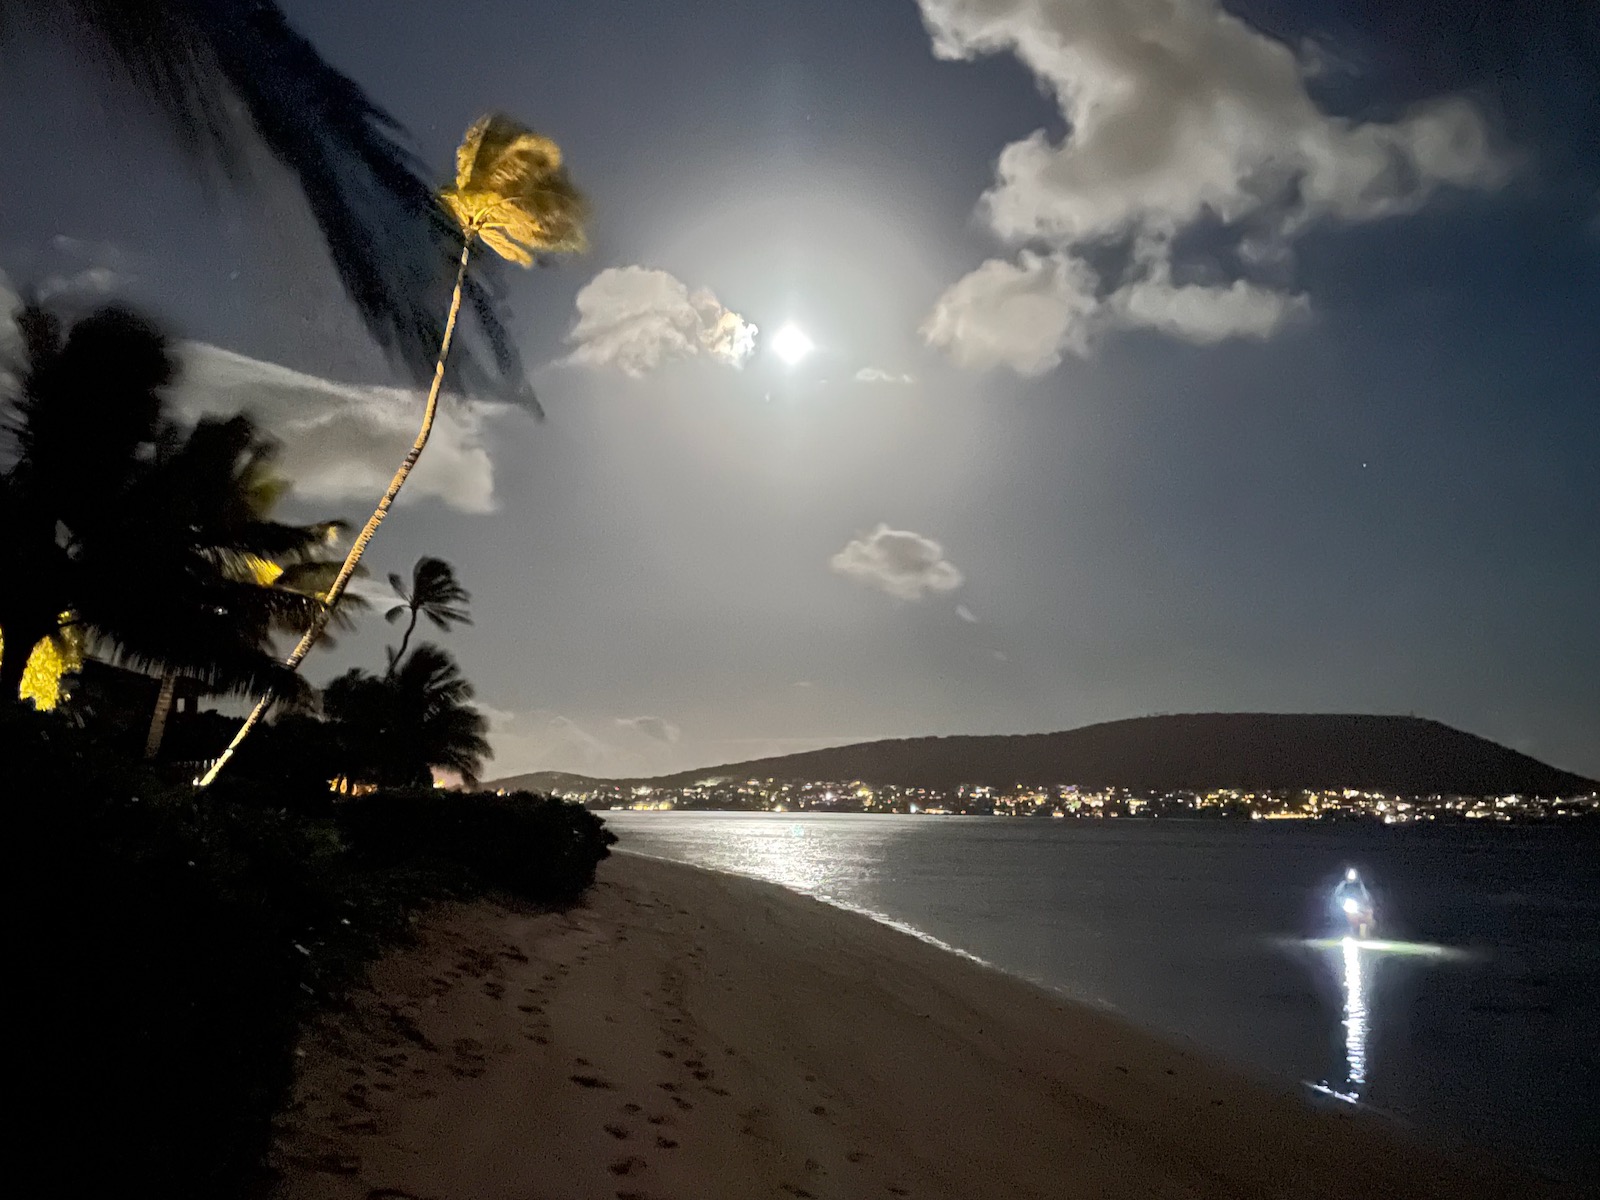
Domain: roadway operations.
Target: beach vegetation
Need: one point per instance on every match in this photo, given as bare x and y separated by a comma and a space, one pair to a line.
177, 942
395, 729
132, 536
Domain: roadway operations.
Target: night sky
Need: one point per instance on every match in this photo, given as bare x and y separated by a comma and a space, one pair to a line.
1163, 361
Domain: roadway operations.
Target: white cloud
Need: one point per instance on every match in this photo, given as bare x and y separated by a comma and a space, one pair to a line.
877, 375
1021, 315
343, 441
966, 614
635, 319
1176, 111
657, 728
1202, 313
906, 565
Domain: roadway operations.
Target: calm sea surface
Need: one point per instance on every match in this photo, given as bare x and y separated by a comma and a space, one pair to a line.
1475, 1015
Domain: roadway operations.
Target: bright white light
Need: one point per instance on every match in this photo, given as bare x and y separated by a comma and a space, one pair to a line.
791, 344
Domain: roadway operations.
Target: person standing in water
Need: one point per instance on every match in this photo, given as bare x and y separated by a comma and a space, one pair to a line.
1354, 903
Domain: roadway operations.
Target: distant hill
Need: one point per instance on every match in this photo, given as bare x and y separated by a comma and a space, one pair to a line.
1407, 755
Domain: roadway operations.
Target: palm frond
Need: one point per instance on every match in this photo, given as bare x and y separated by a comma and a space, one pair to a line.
512, 190
393, 246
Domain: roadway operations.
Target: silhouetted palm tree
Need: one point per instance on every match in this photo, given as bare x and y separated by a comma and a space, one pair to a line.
150, 541
435, 593
393, 729
512, 192
229, 73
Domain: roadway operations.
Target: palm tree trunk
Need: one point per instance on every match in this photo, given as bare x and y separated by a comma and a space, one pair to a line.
158, 719
411, 626
342, 580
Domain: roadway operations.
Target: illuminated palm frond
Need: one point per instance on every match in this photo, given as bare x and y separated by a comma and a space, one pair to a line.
512, 191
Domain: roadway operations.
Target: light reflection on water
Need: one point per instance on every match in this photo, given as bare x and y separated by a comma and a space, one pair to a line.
1198, 929
1355, 1027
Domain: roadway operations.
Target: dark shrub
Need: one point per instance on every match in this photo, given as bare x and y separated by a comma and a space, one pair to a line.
171, 949
168, 944
530, 846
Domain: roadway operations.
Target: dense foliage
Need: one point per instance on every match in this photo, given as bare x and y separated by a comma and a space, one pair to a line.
392, 729
149, 540
174, 943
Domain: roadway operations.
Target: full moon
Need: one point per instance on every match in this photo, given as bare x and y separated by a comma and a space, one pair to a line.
791, 344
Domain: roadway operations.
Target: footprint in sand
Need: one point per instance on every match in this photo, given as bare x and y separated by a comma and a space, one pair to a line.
666, 1143
591, 1081
631, 1165
617, 1131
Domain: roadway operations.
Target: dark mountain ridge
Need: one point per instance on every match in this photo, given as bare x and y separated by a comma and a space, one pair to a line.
1262, 751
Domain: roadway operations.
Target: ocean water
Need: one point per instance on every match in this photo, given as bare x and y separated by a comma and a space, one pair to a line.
1471, 1013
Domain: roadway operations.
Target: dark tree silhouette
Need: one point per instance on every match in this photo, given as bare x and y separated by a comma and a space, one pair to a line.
433, 592
151, 539
392, 729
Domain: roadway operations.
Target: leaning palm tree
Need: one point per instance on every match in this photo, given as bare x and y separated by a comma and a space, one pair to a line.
231, 75
435, 593
511, 191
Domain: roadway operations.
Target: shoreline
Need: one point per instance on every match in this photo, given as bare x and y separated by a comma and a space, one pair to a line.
689, 1033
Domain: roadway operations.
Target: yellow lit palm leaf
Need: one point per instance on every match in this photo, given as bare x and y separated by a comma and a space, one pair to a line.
49, 661
512, 191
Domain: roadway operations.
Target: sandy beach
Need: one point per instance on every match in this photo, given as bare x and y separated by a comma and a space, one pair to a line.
685, 1035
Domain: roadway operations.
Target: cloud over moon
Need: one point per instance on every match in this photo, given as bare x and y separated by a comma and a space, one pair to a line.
343, 441
1178, 115
635, 319
906, 565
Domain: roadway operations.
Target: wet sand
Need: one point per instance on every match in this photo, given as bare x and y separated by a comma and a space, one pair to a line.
685, 1035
